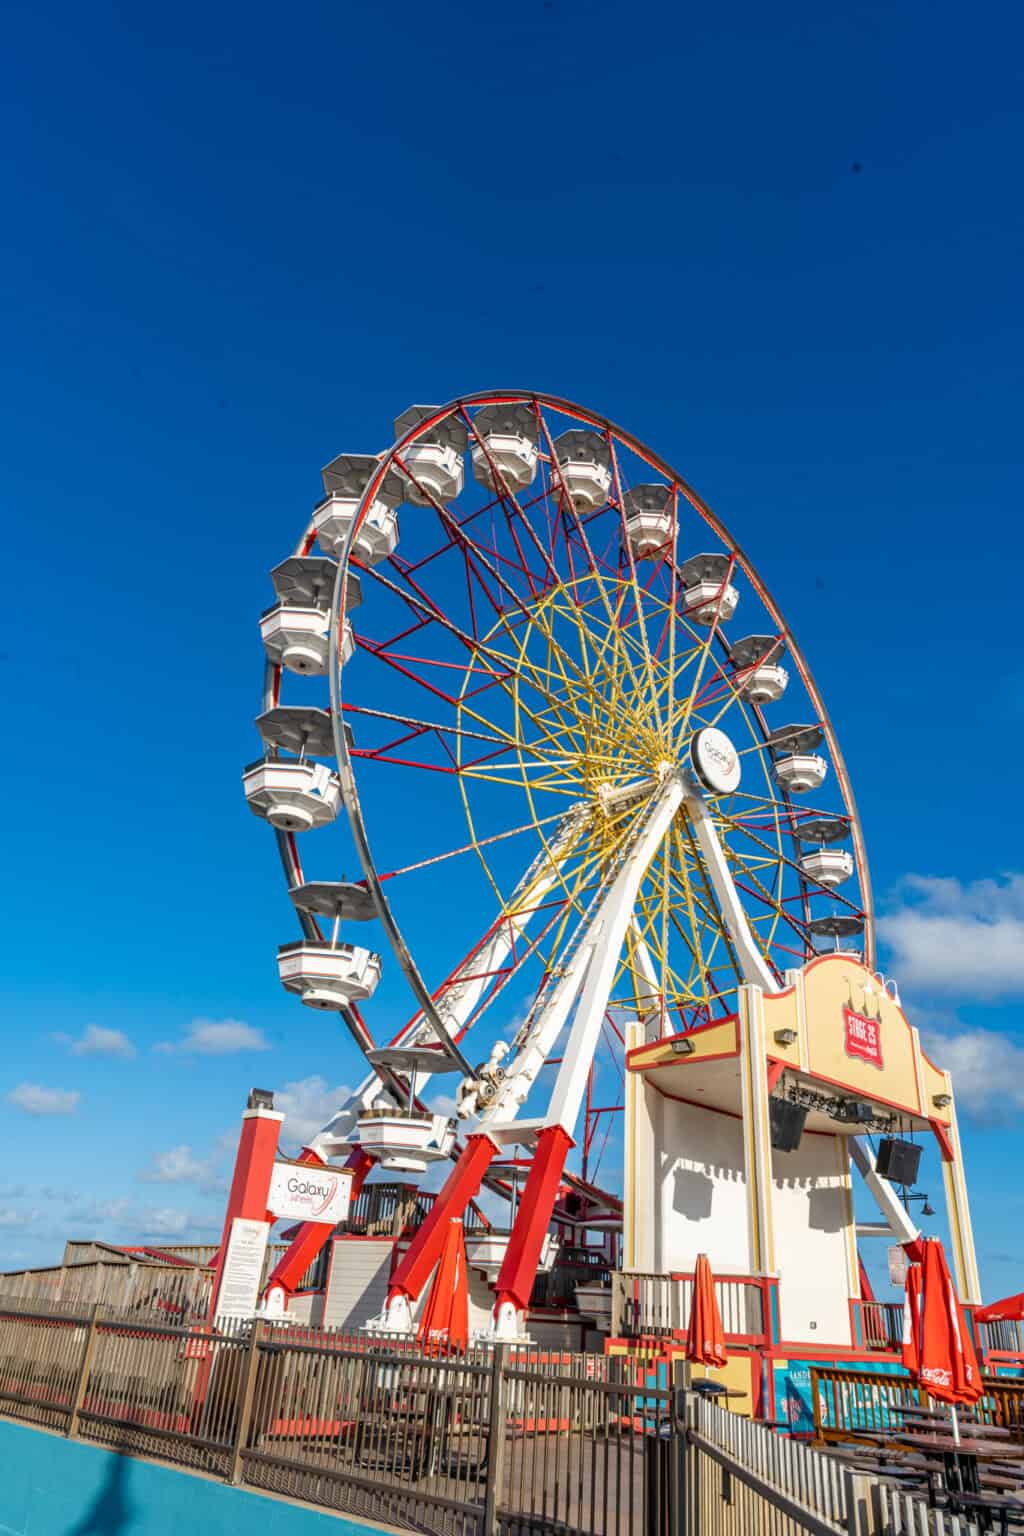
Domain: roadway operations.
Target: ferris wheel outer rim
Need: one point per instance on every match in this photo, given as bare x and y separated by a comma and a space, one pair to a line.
350, 792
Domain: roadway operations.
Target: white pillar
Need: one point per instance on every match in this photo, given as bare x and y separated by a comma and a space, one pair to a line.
965, 1260
757, 1149
641, 1202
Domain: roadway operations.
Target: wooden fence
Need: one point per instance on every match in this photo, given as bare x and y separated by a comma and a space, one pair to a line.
503, 1441
857, 1405
178, 1293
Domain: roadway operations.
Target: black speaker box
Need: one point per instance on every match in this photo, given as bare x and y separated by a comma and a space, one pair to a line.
786, 1121
898, 1161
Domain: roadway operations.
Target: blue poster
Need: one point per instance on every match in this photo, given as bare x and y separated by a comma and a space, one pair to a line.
862, 1408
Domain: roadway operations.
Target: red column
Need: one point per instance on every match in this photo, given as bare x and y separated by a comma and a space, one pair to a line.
312, 1235
250, 1185
515, 1279
462, 1184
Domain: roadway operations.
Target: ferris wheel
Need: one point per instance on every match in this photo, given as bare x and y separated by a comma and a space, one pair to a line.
589, 778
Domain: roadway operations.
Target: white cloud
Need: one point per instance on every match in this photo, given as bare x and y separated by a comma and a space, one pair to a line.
163, 1221
175, 1166
34, 1099
987, 1070
308, 1105
13, 1218
98, 1041
948, 936
218, 1037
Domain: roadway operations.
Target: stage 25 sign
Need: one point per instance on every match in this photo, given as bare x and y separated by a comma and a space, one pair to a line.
863, 1037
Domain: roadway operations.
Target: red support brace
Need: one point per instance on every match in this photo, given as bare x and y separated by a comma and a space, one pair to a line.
461, 1186
942, 1136
519, 1267
312, 1235
250, 1185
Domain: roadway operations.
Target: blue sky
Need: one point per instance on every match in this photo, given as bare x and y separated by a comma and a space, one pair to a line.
239, 242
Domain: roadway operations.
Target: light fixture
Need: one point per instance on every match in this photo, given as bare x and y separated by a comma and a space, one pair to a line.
942, 1100
926, 1209
848, 1111
681, 1046
855, 1111
260, 1098
786, 1037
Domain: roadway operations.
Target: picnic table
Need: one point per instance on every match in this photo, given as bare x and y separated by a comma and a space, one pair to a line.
986, 1505
933, 1442
962, 1460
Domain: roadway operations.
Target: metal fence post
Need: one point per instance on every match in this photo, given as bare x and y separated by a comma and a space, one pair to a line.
495, 1443
84, 1368
678, 1418
249, 1370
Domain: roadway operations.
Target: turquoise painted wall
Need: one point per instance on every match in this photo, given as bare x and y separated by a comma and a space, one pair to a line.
50, 1486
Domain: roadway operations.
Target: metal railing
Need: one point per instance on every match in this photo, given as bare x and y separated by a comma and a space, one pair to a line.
1005, 1337
657, 1306
492, 1441
483, 1442
881, 1324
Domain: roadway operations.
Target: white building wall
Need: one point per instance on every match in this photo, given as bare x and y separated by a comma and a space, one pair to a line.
701, 1189
812, 1210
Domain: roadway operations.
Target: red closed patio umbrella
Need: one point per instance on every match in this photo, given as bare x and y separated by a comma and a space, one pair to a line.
912, 1319
947, 1365
445, 1319
705, 1337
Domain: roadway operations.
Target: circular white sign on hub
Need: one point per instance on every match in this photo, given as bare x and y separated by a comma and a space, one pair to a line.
715, 760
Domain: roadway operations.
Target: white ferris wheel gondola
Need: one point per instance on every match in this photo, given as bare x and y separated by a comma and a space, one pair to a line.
432, 466
326, 973
407, 1139
297, 793
344, 480
584, 467
798, 768
710, 595
505, 446
758, 661
649, 520
296, 631
828, 865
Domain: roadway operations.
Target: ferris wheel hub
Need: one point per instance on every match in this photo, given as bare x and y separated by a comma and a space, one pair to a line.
614, 795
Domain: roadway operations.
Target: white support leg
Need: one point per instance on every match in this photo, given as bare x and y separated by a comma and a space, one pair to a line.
884, 1194
592, 967
608, 934
753, 965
